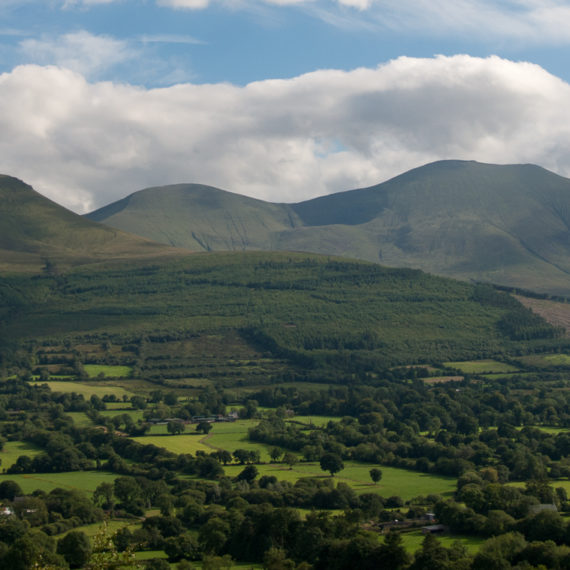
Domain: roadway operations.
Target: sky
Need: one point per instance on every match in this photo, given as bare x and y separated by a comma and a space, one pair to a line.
281, 100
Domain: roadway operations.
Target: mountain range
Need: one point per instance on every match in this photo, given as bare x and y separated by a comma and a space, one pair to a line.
502, 224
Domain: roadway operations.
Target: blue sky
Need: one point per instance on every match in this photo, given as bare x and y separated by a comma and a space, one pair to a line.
281, 100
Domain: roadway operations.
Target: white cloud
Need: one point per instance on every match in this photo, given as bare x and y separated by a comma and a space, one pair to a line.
186, 4
80, 51
86, 144
70, 3
536, 21
170, 39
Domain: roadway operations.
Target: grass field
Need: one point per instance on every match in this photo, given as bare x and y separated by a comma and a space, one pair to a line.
413, 541
481, 366
175, 443
315, 420
88, 390
80, 419
546, 360
13, 449
85, 481
400, 482
233, 435
94, 370
135, 415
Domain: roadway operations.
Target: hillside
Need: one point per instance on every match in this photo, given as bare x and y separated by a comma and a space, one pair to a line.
36, 233
502, 224
294, 311
200, 218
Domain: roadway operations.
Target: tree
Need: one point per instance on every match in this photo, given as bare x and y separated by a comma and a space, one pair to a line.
275, 454
392, 554
431, 555
204, 427
332, 463
75, 548
375, 474
290, 459
10, 489
104, 496
248, 474
105, 555
175, 428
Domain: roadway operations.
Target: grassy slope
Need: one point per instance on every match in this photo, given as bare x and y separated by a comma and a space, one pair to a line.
33, 229
504, 224
199, 217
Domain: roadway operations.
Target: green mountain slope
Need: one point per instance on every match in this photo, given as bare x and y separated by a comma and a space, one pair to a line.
35, 230
200, 217
503, 224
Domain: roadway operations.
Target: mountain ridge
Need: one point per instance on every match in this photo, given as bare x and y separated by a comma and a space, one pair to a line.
506, 224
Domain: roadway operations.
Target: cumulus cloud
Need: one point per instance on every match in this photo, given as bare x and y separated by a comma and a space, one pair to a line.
85, 144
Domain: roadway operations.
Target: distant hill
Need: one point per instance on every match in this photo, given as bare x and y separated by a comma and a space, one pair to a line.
35, 232
504, 224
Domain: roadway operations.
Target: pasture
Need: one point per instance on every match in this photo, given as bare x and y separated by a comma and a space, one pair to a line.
394, 482
486, 366
175, 443
95, 370
546, 360
13, 449
412, 541
88, 390
318, 421
233, 435
86, 481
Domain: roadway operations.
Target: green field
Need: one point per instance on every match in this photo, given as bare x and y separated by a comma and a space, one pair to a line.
88, 390
400, 482
413, 541
13, 449
135, 415
233, 435
546, 360
94, 370
318, 421
86, 481
486, 366
176, 443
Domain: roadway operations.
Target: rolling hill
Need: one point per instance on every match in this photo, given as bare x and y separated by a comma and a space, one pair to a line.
503, 224
36, 233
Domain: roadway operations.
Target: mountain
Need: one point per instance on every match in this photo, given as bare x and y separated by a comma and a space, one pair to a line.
503, 224
200, 218
35, 232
